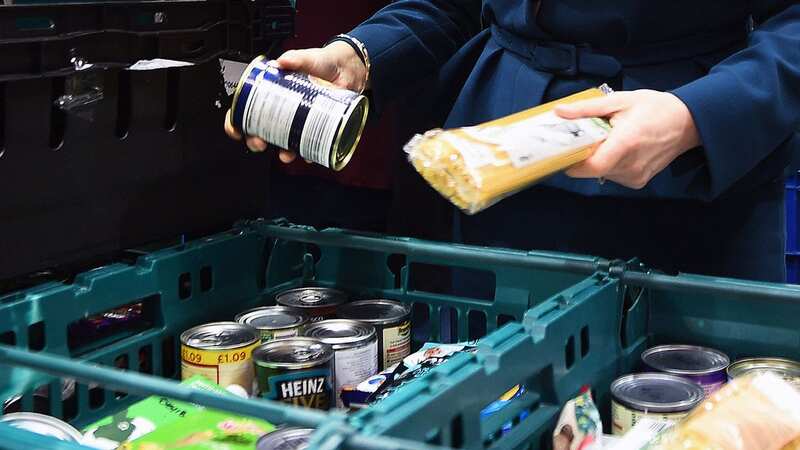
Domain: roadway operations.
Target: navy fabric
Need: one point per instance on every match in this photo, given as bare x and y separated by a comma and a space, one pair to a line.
735, 63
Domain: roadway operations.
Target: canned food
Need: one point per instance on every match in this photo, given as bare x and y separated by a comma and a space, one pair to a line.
42, 424
221, 352
285, 439
41, 398
296, 370
705, 366
318, 303
355, 347
274, 322
787, 369
392, 322
319, 121
658, 396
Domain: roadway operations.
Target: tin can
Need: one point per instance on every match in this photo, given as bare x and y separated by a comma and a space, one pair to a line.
44, 425
705, 366
285, 439
296, 370
221, 352
658, 396
392, 322
355, 347
318, 303
319, 121
274, 322
787, 369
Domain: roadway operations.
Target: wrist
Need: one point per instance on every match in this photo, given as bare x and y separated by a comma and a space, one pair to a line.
690, 136
354, 59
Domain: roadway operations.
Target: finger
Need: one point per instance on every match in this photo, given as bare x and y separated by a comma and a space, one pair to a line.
256, 144
229, 129
603, 160
596, 107
297, 60
286, 156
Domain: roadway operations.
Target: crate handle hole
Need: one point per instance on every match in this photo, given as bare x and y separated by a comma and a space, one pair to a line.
477, 324
184, 286
569, 353
448, 324
8, 338
206, 279
585, 345
36, 336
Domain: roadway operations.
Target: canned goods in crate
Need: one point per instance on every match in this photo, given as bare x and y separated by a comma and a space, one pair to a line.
221, 352
787, 369
318, 303
274, 322
705, 366
392, 322
319, 121
295, 370
44, 425
355, 347
659, 396
285, 439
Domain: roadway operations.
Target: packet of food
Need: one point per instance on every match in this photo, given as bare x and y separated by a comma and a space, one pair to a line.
579, 426
475, 167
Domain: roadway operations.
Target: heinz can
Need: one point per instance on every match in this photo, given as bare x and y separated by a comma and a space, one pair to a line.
705, 366
319, 121
392, 322
44, 425
290, 438
355, 346
787, 369
658, 396
274, 322
221, 352
318, 303
296, 370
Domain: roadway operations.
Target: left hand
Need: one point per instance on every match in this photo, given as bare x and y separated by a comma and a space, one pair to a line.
650, 130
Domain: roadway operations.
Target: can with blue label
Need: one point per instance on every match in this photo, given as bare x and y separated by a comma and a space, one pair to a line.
296, 370
320, 122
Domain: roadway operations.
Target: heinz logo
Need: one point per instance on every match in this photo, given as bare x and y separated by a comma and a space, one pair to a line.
299, 388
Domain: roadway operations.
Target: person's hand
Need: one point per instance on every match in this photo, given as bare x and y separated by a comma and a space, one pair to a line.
336, 63
650, 130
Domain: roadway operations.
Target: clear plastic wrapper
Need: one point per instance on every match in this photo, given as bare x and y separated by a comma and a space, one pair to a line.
475, 167
579, 426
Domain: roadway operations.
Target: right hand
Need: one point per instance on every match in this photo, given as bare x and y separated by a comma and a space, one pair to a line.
336, 63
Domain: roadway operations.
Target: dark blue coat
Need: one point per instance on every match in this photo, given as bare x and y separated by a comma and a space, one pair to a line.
735, 63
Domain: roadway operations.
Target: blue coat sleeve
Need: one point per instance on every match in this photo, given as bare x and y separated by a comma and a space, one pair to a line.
749, 104
410, 40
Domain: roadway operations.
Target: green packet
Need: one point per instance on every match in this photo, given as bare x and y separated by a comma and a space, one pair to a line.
211, 430
144, 417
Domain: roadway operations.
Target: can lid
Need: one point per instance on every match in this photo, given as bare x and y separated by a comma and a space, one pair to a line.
285, 439
311, 297
787, 369
341, 333
685, 359
377, 312
293, 353
272, 317
657, 392
42, 424
220, 336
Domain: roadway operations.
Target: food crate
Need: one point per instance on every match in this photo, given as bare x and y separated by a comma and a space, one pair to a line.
214, 278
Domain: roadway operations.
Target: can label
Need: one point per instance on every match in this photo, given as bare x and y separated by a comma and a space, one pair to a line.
224, 367
623, 418
354, 365
271, 335
306, 388
396, 343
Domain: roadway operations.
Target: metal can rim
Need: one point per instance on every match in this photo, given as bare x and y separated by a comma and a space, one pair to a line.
340, 295
361, 99
341, 343
327, 355
398, 319
664, 348
735, 370
235, 101
243, 316
280, 434
255, 336
66, 429
645, 406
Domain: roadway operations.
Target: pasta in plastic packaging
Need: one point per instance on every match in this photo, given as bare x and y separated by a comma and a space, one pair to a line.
477, 166
753, 412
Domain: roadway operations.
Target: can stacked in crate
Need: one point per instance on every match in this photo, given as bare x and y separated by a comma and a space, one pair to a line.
705, 366
274, 322
392, 322
44, 425
318, 303
653, 395
289, 438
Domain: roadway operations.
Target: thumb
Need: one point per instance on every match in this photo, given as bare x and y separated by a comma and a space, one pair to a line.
596, 107
310, 61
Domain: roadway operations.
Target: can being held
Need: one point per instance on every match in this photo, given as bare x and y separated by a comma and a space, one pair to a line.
44, 425
705, 366
318, 303
392, 322
319, 121
658, 396
285, 439
221, 352
787, 369
274, 322
296, 370
355, 346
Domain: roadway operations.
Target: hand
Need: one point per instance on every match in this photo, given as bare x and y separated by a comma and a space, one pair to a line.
336, 63
650, 130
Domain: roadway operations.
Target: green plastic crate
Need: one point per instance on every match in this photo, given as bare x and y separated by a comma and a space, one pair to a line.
214, 278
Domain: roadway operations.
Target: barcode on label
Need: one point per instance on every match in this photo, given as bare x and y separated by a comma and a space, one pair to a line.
642, 434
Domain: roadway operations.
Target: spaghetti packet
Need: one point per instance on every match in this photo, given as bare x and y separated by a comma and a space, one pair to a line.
475, 167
